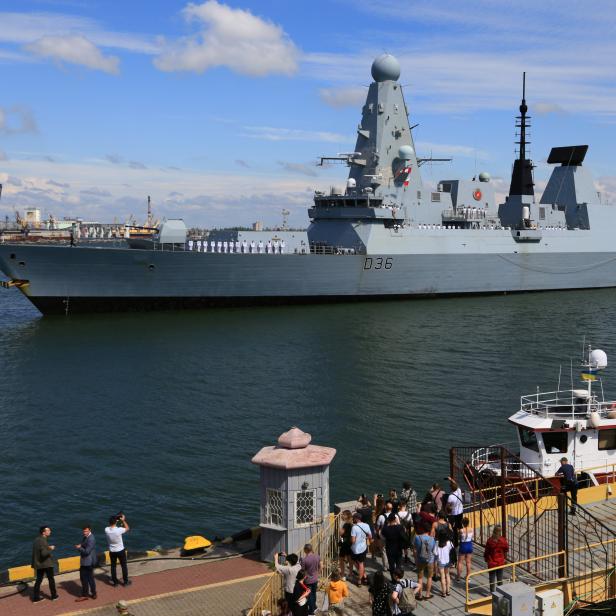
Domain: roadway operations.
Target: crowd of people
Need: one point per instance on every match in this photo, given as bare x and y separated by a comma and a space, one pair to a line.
43, 565
399, 533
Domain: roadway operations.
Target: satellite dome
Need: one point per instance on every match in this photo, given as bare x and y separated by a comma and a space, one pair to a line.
484, 176
385, 68
598, 359
405, 152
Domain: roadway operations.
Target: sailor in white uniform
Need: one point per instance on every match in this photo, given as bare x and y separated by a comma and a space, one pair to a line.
204, 245
253, 247
224, 246
281, 246
244, 246
190, 244
199, 243
219, 246
276, 247
231, 246
260, 247
237, 246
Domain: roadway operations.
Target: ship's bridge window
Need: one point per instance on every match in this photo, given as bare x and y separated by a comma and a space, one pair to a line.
555, 442
607, 439
528, 439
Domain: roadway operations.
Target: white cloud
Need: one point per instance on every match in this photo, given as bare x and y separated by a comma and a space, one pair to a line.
543, 108
234, 38
75, 49
135, 164
472, 60
343, 97
115, 159
17, 119
24, 28
445, 150
270, 133
301, 168
201, 198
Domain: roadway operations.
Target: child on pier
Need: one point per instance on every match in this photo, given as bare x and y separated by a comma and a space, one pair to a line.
337, 591
442, 552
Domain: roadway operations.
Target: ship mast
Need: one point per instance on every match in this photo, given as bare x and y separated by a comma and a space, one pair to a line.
522, 175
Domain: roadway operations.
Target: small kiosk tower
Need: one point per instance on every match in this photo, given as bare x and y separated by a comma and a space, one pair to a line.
294, 489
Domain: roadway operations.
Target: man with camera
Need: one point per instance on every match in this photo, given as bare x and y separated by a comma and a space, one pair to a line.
117, 527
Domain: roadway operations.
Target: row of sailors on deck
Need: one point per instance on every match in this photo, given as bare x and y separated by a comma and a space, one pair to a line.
275, 247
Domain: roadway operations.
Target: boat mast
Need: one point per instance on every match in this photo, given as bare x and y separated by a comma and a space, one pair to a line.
522, 175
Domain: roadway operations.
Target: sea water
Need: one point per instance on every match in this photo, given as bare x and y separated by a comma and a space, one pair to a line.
159, 414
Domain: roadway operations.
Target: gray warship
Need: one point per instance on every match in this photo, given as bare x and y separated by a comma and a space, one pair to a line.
385, 235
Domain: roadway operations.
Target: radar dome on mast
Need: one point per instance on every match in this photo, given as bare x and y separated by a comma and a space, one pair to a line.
405, 152
385, 68
598, 359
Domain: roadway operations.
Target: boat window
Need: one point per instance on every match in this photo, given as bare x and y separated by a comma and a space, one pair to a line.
607, 439
528, 438
555, 442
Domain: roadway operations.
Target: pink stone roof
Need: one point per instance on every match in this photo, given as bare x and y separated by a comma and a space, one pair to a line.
294, 451
280, 457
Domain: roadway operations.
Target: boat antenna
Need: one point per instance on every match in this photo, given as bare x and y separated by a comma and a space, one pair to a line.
571, 369
560, 370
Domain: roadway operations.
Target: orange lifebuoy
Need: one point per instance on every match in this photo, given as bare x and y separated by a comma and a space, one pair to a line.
477, 195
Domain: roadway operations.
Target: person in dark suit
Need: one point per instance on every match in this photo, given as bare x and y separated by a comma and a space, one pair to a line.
89, 560
42, 564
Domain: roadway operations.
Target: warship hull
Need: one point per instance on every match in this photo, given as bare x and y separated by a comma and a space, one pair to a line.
63, 279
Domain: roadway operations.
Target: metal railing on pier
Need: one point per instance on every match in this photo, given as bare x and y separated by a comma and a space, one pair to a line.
324, 543
538, 522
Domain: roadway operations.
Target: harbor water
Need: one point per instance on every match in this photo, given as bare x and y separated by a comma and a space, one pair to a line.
159, 414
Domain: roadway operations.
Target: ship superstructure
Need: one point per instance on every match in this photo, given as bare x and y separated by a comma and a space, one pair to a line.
386, 234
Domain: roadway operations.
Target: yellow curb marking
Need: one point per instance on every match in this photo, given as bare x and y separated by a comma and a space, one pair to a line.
175, 593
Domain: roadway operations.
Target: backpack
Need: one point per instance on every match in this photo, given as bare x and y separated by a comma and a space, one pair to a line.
425, 553
444, 530
407, 599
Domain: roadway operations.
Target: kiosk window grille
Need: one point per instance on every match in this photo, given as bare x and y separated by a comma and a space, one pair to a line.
305, 507
273, 507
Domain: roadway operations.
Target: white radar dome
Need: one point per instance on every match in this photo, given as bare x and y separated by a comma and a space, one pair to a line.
385, 68
351, 183
598, 359
484, 176
405, 152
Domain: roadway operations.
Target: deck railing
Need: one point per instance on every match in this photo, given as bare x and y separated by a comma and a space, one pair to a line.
564, 403
324, 543
477, 583
537, 520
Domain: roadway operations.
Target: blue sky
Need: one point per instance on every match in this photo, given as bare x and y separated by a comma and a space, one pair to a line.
220, 110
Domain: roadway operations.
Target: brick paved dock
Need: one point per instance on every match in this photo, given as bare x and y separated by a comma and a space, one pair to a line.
218, 587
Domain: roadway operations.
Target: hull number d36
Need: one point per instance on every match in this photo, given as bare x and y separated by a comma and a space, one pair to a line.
378, 263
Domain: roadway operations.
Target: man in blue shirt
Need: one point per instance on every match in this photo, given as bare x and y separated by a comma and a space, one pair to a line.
569, 482
424, 558
361, 535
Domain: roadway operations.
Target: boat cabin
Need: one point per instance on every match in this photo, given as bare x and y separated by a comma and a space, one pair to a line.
577, 424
